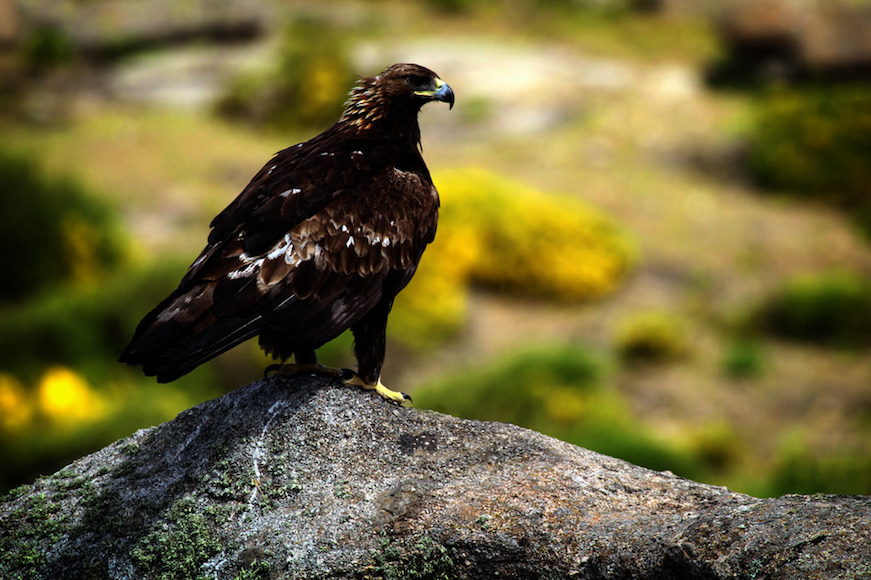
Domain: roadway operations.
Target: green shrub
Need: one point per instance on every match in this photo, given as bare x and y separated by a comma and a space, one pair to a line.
532, 388
306, 87
744, 359
830, 309
46, 47
558, 391
716, 445
801, 469
452, 6
81, 327
53, 231
652, 337
815, 141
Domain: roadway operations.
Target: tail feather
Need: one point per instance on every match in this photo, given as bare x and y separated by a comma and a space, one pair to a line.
190, 352
182, 332
182, 355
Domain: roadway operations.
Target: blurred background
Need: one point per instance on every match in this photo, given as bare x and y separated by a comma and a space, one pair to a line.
655, 238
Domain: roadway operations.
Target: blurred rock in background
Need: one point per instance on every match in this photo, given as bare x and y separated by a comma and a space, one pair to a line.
98, 28
782, 40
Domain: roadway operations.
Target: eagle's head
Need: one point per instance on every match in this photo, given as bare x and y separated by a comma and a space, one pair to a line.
398, 91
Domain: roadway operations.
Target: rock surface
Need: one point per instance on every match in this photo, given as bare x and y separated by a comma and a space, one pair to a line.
300, 478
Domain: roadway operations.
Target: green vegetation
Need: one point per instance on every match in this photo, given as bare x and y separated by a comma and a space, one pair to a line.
83, 327
744, 359
829, 309
313, 72
170, 541
559, 391
623, 29
799, 468
54, 230
177, 551
46, 47
815, 142
35, 521
652, 337
424, 559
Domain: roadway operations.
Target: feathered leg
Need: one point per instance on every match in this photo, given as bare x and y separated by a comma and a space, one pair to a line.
370, 338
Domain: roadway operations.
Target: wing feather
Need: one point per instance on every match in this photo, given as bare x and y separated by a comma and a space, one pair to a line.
299, 255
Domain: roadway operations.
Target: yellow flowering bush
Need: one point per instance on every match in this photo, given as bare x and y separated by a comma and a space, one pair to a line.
48, 421
60, 397
15, 407
502, 235
531, 243
64, 396
434, 304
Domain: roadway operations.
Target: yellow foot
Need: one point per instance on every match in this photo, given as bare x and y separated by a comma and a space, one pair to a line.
393, 396
291, 369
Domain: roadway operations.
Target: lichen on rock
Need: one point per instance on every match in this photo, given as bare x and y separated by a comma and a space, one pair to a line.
303, 478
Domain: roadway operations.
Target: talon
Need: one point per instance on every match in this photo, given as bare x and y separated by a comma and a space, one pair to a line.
397, 397
273, 368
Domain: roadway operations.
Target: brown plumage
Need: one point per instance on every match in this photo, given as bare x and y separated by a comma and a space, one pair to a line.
321, 240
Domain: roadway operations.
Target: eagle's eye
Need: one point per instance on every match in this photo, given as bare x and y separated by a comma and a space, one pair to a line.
418, 82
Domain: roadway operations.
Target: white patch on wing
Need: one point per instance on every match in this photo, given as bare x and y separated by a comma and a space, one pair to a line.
249, 270
304, 245
291, 257
280, 248
376, 239
293, 191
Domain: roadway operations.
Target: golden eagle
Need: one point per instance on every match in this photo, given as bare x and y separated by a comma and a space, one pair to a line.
321, 240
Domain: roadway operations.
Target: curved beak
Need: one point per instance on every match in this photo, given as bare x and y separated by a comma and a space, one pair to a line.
442, 93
